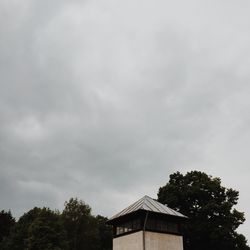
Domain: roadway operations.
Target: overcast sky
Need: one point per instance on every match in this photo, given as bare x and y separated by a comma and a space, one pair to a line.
103, 99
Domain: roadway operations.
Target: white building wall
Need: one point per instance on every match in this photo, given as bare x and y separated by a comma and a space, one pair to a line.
153, 241
160, 241
132, 241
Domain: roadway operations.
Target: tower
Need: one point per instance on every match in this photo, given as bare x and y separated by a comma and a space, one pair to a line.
147, 225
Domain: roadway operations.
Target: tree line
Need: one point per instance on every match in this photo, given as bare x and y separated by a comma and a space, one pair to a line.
212, 224
44, 229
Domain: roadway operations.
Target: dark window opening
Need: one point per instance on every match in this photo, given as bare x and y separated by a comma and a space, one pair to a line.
129, 226
162, 226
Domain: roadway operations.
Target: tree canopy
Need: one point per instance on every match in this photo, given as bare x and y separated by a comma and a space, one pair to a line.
213, 219
212, 224
80, 225
6, 223
41, 228
38, 229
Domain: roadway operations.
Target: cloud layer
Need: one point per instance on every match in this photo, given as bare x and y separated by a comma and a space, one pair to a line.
104, 99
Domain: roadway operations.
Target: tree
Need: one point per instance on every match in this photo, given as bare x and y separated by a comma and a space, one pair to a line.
80, 225
46, 232
6, 223
41, 228
38, 229
105, 233
213, 220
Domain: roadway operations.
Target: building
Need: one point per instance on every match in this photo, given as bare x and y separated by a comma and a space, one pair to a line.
147, 225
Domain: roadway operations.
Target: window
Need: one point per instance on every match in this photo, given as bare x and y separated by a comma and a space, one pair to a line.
153, 224
162, 226
128, 226
172, 227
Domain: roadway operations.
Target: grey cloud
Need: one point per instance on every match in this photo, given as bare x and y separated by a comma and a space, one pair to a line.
104, 99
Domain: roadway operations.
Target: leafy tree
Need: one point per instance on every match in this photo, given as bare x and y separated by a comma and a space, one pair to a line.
41, 228
38, 229
6, 223
19, 233
80, 225
47, 232
213, 220
105, 234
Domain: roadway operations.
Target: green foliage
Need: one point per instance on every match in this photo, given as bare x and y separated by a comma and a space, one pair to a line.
46, 232
213, 220
38, 229
43, 229
105, 233
6, 223
80, 225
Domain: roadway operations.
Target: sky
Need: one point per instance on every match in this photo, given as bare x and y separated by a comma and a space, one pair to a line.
104, 99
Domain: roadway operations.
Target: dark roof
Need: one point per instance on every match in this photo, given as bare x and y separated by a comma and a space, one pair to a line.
148, 204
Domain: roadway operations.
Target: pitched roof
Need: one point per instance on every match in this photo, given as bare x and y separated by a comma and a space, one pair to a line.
148, 204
